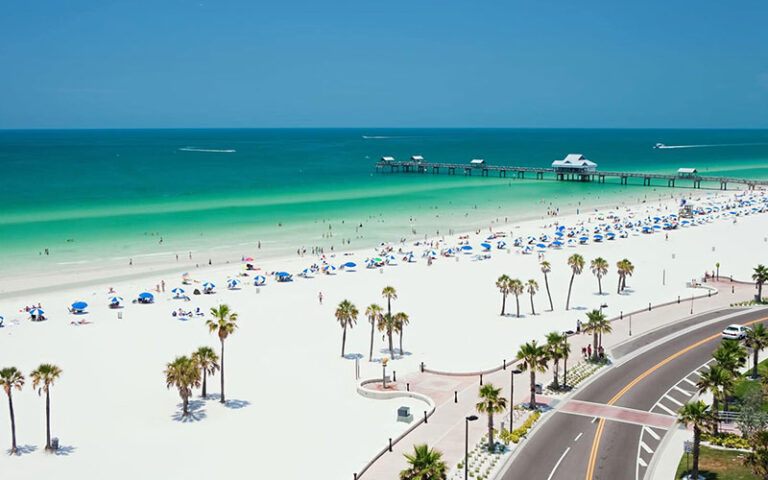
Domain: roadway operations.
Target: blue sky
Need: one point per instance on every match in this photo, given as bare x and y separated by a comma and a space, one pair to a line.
531, 63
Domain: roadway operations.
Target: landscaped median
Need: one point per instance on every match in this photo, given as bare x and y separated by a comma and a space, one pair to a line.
718, 464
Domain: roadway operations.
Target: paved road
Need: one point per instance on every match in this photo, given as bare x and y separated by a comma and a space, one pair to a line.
561, 448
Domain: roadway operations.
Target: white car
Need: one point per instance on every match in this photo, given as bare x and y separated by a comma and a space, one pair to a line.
735, 332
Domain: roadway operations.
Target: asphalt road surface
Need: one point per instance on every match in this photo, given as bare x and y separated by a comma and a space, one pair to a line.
566, 447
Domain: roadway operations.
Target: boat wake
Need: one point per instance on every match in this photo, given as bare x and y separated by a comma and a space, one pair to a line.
375, 137
206, 150
662, 146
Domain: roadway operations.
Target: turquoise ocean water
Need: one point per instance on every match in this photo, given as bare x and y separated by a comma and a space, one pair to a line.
112, 194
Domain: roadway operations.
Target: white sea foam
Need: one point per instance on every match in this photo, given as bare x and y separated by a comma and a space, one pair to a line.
712, 145
206, 150
373, 137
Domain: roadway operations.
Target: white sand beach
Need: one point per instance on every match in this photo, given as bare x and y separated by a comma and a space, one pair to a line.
288, 389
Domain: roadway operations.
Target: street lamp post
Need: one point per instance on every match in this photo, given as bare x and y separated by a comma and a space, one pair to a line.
384, 374
468, 419
513, 372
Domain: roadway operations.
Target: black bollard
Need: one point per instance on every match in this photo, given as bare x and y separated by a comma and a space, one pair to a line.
407, 387
390, 444
678, 299
481, 379
621, 315
455, 396
425, 416
504, 365
394, 376
649, 306
355, 476
422, 367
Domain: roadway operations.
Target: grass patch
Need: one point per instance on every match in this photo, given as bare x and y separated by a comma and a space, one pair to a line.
718, 465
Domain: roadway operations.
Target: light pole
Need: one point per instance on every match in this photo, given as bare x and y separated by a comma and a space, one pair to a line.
468, 419
384, 373
513, 372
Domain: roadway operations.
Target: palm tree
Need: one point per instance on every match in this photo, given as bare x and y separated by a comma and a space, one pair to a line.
555, 353
11, 378
401, 320
490, 402
599, 267
223, 322
208, 361
603, 326
43, 378
576, 262
565, 350
184, 374
760, 277
516, 287
698, 415
757, 340
373, 312
718, 381
424, 464
621, 269
595, 320
503, 285
545, 269
346, 314
731, 356
387, 323
629, 269
532, 287
534, 359
390, 294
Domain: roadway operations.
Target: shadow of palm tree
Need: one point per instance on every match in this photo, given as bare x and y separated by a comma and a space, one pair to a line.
352, 356
65, 450
23, 450
195, 413
236, 404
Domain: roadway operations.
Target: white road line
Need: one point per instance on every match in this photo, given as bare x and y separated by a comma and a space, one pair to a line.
646, 448
673, 400
685, 392
552, 474
641, 462
688, 381
661, 406
594, 419
652, 433
696, 372
578, 436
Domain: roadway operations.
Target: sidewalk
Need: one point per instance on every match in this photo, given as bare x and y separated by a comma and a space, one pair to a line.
445, 429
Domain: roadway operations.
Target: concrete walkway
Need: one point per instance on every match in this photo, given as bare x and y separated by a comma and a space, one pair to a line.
455, 396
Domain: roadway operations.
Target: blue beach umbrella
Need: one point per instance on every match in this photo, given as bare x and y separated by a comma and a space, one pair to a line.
259, 280
350, 265
466, 248
79, 306
115, 300
583, 239
283, 274
330, 268
177, 290
36, 312
501, 244
557, 243
208, 285
233, 283
610, 235
146, 295
540, 245
486, 246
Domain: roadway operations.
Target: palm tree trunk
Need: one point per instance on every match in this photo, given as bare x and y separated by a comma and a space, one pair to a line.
754, 367
222, 372
490, 432
401, 340
716, 408
618, 287
759, 291
343, 340
557, 372
725, 401
623, 282
503, 303
546, 282
517, 301
696, 441
533, 389
533, 310
205, 375
13, 424
594, 345
370, 352
391, 349
389, 306
570, 285
185, 401
599, 285
565, 372
47, 419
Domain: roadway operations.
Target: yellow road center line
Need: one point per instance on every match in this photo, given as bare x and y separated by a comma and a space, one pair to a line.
599, 431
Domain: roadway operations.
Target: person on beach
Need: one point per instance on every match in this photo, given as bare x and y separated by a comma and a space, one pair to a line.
320, 297
162, 285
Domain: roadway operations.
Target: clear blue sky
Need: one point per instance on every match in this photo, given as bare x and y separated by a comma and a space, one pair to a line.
284, 63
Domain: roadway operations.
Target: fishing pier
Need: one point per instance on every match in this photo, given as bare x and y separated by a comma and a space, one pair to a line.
573, 168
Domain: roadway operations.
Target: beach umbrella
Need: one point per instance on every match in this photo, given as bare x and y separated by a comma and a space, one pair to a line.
557, 243
330, 268
307, 271
468, 248
208, 285
350, 265
486, 246
115, 300
79, 306
379, 260
501, 244
610, 235
146, 295
583, 239
283, 274
232, 283
597, 237
657, 227
177, 291
36, 312
540, 245
259, 280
